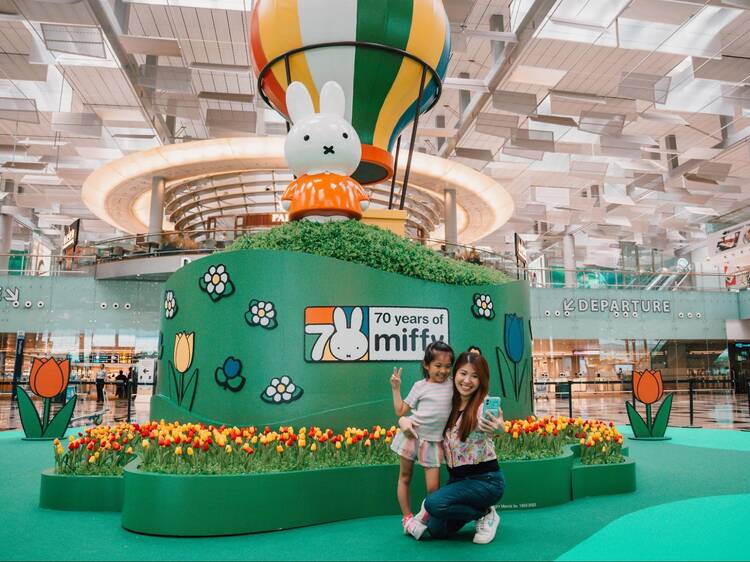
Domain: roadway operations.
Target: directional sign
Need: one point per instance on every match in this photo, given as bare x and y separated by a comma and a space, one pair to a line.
11, 294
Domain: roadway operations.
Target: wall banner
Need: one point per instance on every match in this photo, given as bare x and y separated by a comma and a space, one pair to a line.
372, 333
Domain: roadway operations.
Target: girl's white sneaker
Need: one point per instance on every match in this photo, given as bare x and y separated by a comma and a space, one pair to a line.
486, 527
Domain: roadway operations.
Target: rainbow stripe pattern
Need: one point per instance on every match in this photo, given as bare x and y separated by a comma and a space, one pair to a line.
381, 87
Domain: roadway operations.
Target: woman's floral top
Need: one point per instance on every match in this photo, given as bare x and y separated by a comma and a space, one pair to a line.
477, 448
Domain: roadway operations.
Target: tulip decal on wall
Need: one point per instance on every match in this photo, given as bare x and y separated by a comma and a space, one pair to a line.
48, 379
648, 388
183, 359
514, 343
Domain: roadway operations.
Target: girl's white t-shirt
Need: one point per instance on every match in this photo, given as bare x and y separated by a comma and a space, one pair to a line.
430, 404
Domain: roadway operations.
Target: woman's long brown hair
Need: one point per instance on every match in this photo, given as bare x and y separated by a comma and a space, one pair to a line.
469, 418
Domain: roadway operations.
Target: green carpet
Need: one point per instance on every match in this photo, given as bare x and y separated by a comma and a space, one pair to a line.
710, 479
696, 529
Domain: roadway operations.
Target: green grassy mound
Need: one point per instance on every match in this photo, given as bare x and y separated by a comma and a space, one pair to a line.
369, 245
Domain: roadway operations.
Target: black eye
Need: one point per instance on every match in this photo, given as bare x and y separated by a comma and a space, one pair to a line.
346, 136
306, 137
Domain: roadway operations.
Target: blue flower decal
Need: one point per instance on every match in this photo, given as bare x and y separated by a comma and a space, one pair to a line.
228, 375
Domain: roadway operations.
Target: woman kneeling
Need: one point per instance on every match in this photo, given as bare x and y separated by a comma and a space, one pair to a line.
476, 483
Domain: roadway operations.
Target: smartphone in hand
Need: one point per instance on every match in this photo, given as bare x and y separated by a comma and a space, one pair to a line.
492, 406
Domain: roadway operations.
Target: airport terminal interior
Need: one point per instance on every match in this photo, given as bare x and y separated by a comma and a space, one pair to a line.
239, 217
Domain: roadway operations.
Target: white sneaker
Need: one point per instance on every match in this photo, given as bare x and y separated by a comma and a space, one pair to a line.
486, 527
422, 515
415, 527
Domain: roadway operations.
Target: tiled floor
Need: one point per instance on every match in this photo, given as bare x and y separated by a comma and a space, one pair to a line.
712, 408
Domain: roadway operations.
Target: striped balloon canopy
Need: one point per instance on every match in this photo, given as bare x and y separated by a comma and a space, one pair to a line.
382, 50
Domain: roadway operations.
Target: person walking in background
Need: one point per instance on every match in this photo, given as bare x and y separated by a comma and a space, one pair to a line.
101, 374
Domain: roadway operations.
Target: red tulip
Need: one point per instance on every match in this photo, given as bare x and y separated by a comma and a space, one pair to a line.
49, 377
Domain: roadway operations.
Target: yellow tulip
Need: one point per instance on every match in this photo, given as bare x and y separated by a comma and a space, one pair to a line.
129, 451
314, 447
279, 449
190, 451
183, 351
178, 451
146, 444
338, 444
228, 449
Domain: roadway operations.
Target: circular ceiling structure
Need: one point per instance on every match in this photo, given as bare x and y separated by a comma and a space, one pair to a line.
120, 191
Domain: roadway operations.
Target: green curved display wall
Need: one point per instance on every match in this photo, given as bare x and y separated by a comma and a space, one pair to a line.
289, 364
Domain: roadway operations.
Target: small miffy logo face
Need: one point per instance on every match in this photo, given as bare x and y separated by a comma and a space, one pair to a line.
348, 343
320, 142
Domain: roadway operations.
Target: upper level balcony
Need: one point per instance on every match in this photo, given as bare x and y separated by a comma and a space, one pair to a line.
154, 257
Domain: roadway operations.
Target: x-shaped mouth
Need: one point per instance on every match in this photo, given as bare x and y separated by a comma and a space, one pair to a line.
328, 150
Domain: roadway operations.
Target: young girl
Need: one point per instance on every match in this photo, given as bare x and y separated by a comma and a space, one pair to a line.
476, 483
429, 402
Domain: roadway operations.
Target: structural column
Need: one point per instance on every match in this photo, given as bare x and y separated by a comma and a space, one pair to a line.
451, 220
156, 213
6, 237
569, 259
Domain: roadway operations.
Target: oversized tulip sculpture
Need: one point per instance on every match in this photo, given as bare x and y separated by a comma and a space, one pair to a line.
48, 378
182, 360
648, 388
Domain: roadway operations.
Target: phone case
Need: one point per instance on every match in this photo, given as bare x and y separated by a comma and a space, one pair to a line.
492, 405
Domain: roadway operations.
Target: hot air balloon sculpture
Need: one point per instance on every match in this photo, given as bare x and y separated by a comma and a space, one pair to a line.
389, 56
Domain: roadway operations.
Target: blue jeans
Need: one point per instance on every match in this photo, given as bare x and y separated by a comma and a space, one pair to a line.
462, 500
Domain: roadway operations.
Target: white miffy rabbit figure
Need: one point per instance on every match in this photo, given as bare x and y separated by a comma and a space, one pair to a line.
348, 343
322, 150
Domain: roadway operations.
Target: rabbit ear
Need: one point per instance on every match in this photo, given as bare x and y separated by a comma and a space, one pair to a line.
298, 102
339, 319
357, 319
332, 99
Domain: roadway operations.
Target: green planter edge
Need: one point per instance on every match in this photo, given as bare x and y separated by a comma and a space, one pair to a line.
537, 483
66, 492
602, 479
199, 505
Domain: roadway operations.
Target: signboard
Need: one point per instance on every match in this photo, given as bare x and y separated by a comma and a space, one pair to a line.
372, 333
71, 235
630, 306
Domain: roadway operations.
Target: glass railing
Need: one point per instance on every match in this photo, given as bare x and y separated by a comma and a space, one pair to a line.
45, 265
209, 241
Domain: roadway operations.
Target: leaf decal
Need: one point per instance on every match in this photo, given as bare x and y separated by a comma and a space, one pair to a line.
59, 423
661, 421
640, 429
32, 425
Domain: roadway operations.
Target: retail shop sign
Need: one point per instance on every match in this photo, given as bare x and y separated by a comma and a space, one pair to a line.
639, 306
372, 333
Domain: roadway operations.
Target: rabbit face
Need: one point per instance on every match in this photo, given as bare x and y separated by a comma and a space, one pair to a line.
348, 343
320, 142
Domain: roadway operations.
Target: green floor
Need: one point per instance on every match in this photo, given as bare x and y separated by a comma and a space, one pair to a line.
693, 502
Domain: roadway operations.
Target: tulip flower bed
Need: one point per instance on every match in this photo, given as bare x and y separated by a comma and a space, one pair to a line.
99, 451
197, 449
532, 438
176, 448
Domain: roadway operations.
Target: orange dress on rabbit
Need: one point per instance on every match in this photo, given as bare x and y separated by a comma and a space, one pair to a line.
324, 194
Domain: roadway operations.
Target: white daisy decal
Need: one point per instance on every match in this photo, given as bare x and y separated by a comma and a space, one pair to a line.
170, 305
261, 313
281, 390
216, 282
482, 307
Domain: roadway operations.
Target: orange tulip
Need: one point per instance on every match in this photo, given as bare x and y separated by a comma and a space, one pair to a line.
648, 386
49, 377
